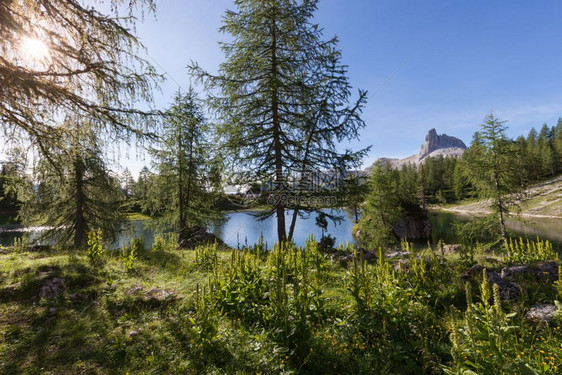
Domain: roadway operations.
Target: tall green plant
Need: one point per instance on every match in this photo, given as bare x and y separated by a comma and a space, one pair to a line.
485, 341
95, 248
521, 252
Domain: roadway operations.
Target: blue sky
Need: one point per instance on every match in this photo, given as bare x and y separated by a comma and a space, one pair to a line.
459, 60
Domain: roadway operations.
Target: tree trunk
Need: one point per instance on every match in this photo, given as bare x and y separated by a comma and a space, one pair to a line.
303, 173
182, 235
79, 220
500, 208
501, 220
293, 223
189, 181
277, 146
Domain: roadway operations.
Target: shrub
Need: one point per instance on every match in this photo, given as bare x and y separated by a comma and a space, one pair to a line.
20, 244
128, 258
486, 340
95, 249
520, 252
206, 257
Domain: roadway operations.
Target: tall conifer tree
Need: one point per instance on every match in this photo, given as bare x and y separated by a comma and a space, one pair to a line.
282, 97
181, 194
78, 196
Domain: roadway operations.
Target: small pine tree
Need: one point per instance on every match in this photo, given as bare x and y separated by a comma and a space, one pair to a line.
182, 193
382, 208
78, 196
491, 168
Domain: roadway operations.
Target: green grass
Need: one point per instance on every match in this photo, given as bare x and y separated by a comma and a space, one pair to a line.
544, 199
136, 216
216, 310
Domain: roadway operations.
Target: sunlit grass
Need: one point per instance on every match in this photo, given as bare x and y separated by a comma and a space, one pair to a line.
227, 311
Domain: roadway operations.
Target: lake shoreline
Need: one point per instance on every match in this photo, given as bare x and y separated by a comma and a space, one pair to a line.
473, 212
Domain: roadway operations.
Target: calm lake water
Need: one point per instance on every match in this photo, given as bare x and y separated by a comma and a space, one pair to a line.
545, 228
243, 228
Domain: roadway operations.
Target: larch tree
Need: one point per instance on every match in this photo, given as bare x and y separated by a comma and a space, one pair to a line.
127, 183
62, 57
140, 191
182, 193
78, 196
549, 159
558, 142
491, 166
382, 208
355, 188
13, 178
533, 155
282, 98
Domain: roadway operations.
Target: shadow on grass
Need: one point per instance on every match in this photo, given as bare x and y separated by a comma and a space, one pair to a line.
80, 329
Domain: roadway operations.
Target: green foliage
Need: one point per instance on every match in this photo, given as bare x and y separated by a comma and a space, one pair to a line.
487, 340
354, 192
199, 324
393, 196
283, 99
558, 284
206, 257
137, 244
13, 178
128, 258
490, 165
278, 294
481, 339
20, 244
478, 231
131, 254
164, 243
326, 242
386, 303
182, 194
381, 209
529, 251
74, 191
288, 310
95, 248
440, 183
112, 75
522, 162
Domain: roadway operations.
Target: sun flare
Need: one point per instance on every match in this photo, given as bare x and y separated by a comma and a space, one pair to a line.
34, 49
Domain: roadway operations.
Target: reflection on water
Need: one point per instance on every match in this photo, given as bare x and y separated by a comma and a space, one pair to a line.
538, 227
128, 230
244, 228
134, 229
546, 228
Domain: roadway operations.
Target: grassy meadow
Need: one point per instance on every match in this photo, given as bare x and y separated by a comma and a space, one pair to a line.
279, 311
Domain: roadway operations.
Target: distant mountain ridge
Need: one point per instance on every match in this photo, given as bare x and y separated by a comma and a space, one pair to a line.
434, 145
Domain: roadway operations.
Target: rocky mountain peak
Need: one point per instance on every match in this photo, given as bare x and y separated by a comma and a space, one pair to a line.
434, 142
434, 145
